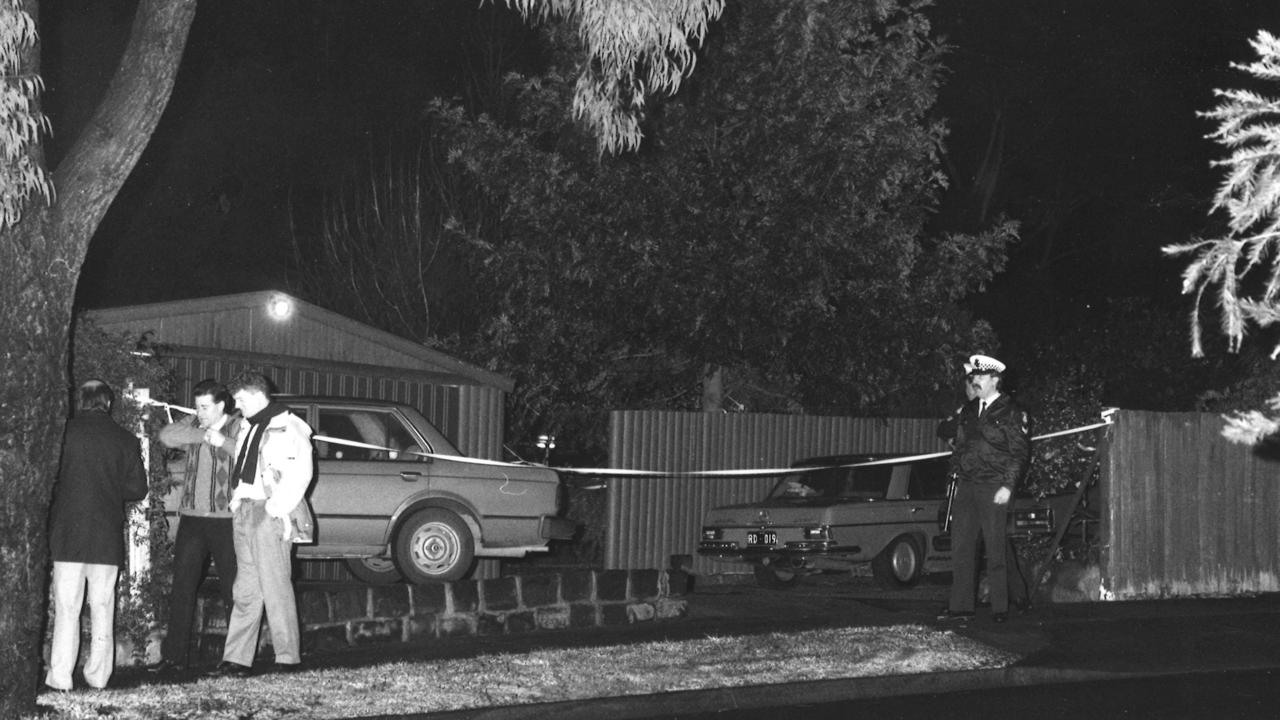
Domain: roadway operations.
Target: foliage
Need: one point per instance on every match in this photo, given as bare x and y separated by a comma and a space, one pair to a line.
21, 175
384, 248
1249, 126
1240, 263
770, 232
1106, 354
630, 51
124, 362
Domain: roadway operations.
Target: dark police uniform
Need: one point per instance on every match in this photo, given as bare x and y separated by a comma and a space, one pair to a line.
991, 451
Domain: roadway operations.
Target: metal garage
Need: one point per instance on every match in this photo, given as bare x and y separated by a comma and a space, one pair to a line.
306, 349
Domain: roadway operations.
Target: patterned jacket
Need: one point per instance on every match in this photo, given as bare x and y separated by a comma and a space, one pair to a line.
188, 435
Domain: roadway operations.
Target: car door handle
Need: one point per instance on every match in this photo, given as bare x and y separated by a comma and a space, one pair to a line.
410, 475
915, 510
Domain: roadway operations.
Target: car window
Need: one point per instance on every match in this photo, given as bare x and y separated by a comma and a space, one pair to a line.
859, 483
384, 431
928, 480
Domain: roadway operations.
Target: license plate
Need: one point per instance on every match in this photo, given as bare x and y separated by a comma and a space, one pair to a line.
767, 537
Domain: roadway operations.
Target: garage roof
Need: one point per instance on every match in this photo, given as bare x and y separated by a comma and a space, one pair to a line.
274, 323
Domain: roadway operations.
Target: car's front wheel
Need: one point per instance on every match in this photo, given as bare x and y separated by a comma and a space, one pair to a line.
373, 570
434, 545
900, 564
772, 576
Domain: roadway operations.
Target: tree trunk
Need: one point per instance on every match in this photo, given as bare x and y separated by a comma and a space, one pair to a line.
713, 388
40, 262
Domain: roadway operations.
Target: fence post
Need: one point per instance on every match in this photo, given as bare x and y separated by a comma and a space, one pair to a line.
139, 525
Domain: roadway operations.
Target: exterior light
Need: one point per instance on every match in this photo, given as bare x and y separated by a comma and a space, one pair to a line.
280, 307
546, 443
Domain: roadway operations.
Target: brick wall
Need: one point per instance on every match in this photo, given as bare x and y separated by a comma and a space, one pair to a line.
336, 617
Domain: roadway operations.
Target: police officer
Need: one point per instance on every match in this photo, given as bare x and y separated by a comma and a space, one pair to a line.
992, 451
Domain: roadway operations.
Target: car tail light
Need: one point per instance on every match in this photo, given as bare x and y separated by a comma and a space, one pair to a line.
822, 532
1033, 520
712, 533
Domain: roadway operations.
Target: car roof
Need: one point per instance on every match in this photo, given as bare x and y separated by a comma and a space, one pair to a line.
287, 398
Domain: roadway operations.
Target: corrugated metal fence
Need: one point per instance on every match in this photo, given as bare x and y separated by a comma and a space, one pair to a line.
649, 519
1186, 512
470, 416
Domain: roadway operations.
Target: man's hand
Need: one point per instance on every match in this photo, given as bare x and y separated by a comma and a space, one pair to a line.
1002, 495
214, 438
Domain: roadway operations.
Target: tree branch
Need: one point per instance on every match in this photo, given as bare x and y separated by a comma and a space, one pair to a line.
106, 152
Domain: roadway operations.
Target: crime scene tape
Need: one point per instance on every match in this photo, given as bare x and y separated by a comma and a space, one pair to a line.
1108, 418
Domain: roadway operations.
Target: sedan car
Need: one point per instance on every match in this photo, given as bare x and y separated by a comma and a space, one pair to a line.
395, 499
842, 512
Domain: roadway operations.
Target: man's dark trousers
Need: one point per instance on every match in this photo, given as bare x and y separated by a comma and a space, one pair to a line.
198, 538
975, 515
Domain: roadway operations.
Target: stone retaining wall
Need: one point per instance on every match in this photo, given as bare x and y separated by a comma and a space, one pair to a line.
336, 617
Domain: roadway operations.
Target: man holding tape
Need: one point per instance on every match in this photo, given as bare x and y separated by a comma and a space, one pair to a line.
992, 452
204, 518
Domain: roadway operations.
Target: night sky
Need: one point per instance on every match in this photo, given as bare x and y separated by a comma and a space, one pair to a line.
1092, 101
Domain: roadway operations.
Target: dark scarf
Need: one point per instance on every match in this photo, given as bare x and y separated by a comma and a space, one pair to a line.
247, 464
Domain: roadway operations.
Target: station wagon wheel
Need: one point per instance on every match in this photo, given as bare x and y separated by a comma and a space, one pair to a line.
771, 576
374, 570
434, 545
900, 564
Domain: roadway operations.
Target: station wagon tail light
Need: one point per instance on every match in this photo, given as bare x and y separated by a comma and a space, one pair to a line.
712, 533
822, 532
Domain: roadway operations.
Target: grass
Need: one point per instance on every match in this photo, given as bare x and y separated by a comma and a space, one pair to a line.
541, 676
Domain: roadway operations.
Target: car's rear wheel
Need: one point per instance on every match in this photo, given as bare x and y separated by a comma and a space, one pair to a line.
772, 576
434, 545
375, 571
900, 564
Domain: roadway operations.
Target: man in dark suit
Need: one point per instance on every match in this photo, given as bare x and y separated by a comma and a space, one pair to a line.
101, 470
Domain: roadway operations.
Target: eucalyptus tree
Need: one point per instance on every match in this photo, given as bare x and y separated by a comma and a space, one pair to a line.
765, 247
1238, 269
49, 215
43, 240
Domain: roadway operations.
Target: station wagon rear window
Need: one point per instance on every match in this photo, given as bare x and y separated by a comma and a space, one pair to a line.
836, 483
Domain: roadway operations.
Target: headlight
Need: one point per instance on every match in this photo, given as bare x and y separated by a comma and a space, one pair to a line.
712, 533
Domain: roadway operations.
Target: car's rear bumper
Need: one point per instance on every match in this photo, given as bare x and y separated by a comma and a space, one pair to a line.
729, 551
556, 528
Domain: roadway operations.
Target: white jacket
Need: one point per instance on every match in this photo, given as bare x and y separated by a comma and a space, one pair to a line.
285, 465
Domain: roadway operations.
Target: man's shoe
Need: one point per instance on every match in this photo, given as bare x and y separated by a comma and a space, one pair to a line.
999, 618
165, 667
948, 615
226, 668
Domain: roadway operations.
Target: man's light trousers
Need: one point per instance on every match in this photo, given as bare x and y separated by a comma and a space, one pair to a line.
263, 581
69, 580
